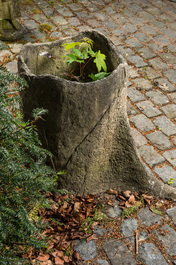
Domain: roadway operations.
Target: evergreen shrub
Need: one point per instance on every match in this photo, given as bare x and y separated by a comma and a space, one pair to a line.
24, 177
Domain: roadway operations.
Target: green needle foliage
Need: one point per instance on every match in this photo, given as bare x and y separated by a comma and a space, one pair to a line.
24, 176
82, 54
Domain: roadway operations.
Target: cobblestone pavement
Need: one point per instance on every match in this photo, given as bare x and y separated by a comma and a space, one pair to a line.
145, 33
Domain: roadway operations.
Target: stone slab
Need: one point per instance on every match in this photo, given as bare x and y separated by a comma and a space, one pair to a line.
169, 110
134, 94
137, 61
148, 109
166, 173
165, 125
139, 139
159, 140
171, 157
157, 97
151, 157
172, 213
149, 218
142, 123
142, 83
149, 254
87, 250
168, 239
118, 253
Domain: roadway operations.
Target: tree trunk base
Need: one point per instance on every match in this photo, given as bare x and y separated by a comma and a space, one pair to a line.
87, 127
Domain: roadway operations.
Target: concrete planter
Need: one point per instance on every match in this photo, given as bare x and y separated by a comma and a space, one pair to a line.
87, 127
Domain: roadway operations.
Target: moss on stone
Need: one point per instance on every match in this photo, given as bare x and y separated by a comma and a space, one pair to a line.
45, 27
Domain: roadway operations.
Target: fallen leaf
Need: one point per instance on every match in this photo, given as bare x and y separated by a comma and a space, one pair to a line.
164, 86
65, 205
59, 261
43, 257
60, 254
113, 192
127, 193
127, 204
76, 207
132, 200
92, 237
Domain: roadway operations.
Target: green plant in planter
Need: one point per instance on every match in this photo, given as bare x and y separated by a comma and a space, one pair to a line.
82, 53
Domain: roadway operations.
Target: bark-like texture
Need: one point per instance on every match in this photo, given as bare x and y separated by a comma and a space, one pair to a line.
10, 28
87, 127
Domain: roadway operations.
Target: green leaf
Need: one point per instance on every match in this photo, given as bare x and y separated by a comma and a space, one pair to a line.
170, 181
78, 53
98, 76
71, 45
100, 61
72, 58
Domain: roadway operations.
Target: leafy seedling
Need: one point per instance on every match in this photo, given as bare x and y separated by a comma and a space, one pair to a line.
82, 53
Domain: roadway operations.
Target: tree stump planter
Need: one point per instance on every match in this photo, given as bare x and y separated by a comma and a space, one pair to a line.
87, 127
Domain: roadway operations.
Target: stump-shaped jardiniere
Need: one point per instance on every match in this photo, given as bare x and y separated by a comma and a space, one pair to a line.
87, 127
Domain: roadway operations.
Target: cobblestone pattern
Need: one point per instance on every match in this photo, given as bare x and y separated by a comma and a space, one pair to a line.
145, 33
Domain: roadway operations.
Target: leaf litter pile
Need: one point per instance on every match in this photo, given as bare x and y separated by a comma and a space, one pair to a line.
73, 218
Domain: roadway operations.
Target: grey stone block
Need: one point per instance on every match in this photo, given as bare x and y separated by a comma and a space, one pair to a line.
139, 139
135, 95
162, 40
172, 213
172, 97
158, 64
142, 123
169, 110
149, 30
148, 109
171, 75
171, 156
137, 61
168, 58
118, 253
131, 110
165, 85
166, 173
168, 240
87, 250
149, 73
159, 140
157, 97
166, 126
150, 255
129, 226
149, 218
146, 53
142, 83
150, 156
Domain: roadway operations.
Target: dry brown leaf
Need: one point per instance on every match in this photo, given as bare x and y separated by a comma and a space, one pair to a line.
132, 200
66, 259
113, 192
92, 237
43, 257
122, 198
65, 205
60, 254
164, 86
48, 262
127, 204
127, 193
76, 207
59, 261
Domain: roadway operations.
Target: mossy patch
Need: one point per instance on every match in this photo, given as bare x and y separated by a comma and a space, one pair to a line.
35, 11
27, 2
45, 27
